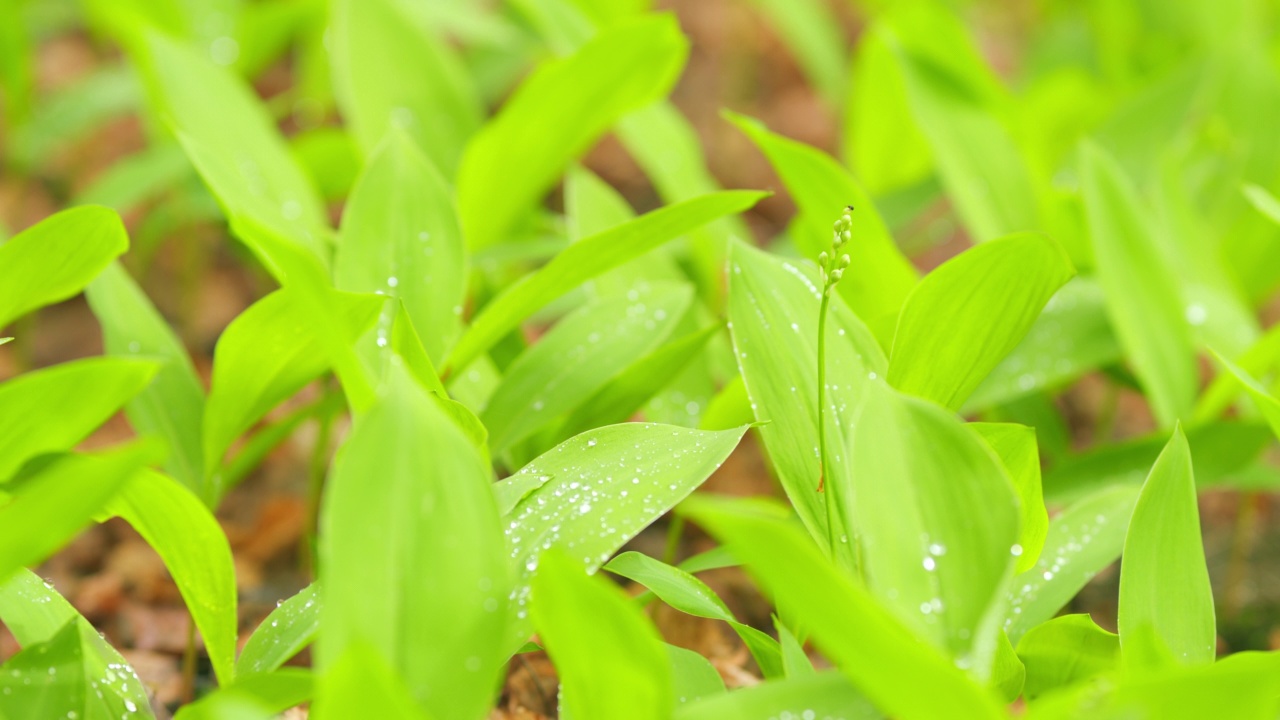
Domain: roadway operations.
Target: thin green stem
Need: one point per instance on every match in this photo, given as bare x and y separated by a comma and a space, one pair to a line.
822, 422
316, 472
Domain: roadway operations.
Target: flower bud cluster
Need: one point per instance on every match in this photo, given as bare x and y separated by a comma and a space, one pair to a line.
833, 264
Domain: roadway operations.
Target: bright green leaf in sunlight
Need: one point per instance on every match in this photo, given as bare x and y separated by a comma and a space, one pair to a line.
413, 554
268, 353
586, 259
773, 318
881, 143
257, 697
918, 479
290, 627
1142, 295
1016, 447
1081, 541
693, 677
886, 661
172, 406
880, 277
614, 666
601, 489
1164, 583
373, 42
556, 114
1064, 651
55, 497
400, 237
969, 313
826, 695
55, 258
363, 684
193, 547
1266, 402
688, 594
235, 146
1265, 202
54, 408
578, 357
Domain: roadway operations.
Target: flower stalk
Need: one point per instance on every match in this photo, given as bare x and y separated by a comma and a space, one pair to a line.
831, 267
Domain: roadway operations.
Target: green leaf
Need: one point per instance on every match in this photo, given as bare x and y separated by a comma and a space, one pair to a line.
1065, 651
1263, 201
362, 684
1008, 674
52, 409
195, 550
882, 144
1142, 297
235, 146
55, 258
885, 660
586, 259
795, 661
969, 313
289, 628
268, 353
826, 694
878, 281
603, 487
1164, 583
70, 675
373, 43
578, 357
688, 594
1082, 541
612, 667
400, 237
172, 407
693, 677
773, 318
54, 499
812, 33
555, 115
257, 697
1267, 403
412, 555
1071, 337
919, 476
1016, 447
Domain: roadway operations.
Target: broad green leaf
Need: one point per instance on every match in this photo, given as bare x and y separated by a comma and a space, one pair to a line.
693, 677
603, 487
55, 258
1008, 674
773, 318
1256, 361
878, 281
885, 660
1016, 447
172, 407
284, 633
578, 357
969, 313
361, 683
1263, 201
257, 697
881, 144
412, 553
52, 409
975, 154
1071, 337
1082, 541
195, 550
686, 593
268, 353
918, 477
1164, 583
1266, 402
53, 499
1219, 450
1142, 297
586, 259
1066, 650
373, 42
235, 146
400, 237
71, 675
555, 115
615, 665
824, 695
812, 33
